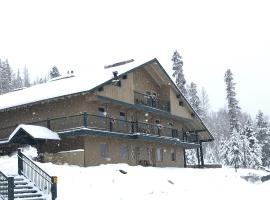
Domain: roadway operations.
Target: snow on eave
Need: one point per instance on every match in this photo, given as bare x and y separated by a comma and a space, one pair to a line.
37, 132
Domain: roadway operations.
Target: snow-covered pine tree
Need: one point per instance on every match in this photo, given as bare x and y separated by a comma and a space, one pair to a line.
231, 149
263, 136
54, 72
233, 106
6, 77
1, 69
252, 151
218, 126
18, 82
178, 72
26, 79
204, 106
234, 154
193, 98
191, 157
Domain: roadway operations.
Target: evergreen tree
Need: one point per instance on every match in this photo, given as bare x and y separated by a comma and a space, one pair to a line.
191, 157
263, 136
26, 79
251, 148
1, 77
18, 82
218, 124
204, 106
193, 98
231, 150
54, 72
6, 77
178, 72
233, 107
40, 80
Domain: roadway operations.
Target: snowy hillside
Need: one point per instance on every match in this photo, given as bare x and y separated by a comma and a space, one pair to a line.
123, 182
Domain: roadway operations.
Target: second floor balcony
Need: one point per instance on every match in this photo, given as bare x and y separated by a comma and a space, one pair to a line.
151, 101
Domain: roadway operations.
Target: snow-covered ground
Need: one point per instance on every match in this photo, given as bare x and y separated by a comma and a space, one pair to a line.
141, 183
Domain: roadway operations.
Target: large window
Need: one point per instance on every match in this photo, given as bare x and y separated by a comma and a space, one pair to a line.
104, 150
124, 151
159, 154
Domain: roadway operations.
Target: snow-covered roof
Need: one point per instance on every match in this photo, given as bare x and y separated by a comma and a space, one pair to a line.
63, 87
37, 132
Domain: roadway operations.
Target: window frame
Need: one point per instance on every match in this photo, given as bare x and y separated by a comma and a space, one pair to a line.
104, 150
124, 152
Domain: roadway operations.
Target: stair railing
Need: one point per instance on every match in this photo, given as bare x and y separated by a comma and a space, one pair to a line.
45, 182
6, 187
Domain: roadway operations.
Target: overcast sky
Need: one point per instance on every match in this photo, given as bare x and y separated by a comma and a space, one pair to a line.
212, 36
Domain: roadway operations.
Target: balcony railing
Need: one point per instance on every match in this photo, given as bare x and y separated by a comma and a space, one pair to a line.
113, 125
6, 187
42, 180
151, 101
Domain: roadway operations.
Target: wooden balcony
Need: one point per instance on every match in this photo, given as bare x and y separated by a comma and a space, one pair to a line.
151, 101
104, 123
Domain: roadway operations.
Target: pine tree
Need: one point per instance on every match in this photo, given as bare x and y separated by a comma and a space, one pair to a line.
191, 157
251, 148
218, 126
233, 108
54, 72
178, 72
204, 106
6, 77
193, 98
231, 153
1, 77
18, 82
26, 79
231, 150
263, 136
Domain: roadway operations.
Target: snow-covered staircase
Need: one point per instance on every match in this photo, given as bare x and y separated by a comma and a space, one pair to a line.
26, 190
32, 183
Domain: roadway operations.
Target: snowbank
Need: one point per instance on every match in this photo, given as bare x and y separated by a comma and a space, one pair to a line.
120, 181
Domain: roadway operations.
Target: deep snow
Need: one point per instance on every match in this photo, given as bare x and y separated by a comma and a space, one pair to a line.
107, 182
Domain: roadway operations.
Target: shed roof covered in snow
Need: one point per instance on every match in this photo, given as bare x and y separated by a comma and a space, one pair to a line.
24, 131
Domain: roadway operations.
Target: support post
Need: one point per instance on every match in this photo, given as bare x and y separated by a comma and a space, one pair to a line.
20, 162
184, 137
48, 123
198, 157
111, 124
10, 188
132, 127
136, 126
185, 159
54, 187
85, 119
201, 150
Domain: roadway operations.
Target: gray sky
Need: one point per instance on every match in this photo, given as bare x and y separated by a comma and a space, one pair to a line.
86, 35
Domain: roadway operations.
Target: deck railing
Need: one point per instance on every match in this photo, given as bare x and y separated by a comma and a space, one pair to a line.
44, 182
6, 187
107, 123
151, 101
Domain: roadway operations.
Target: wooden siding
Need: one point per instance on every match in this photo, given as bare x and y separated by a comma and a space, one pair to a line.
123, 93
93, 157
176, 109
